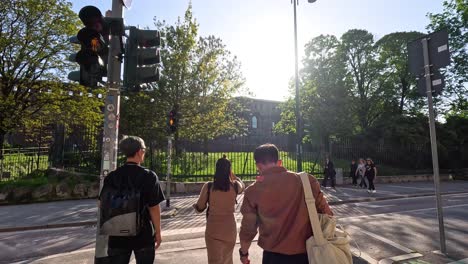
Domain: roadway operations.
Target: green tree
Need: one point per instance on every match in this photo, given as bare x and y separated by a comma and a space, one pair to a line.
364, 78
325, 99
199, 79
400, 84
454, 18
33, 50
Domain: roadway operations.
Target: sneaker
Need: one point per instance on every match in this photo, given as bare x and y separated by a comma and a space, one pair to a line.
374, 191
369, 191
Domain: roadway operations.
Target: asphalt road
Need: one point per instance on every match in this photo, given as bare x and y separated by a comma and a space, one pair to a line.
380, 230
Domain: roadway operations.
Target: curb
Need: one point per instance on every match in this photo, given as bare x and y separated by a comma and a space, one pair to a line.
374, 199
63, 225
49, 226
93, 223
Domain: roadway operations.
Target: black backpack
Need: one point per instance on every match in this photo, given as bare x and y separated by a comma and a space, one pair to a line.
121, 208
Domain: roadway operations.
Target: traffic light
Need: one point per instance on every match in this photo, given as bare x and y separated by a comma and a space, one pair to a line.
172, 121
142, 58
92, 56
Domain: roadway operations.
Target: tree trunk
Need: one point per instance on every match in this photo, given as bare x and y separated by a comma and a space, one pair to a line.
327, 145
2, 141
404, 88
205, 147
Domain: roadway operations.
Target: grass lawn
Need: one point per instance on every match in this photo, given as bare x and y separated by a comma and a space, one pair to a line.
195, 166
19, 164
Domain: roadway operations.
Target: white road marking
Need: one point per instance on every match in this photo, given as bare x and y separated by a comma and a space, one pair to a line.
400, 258
385, 240
461, 261
363, 255
355, 218
407, 187
376, 205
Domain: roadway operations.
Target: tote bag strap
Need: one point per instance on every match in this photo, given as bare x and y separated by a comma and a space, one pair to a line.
313, 215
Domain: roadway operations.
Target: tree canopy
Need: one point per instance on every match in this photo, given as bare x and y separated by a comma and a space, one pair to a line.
33, 49
199, 80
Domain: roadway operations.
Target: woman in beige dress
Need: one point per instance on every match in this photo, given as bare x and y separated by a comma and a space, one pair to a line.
219, 198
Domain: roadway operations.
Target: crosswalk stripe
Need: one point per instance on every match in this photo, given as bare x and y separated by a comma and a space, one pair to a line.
461, 261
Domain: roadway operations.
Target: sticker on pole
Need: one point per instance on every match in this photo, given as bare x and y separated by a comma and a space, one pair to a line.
111, 117
442, 48
436, 82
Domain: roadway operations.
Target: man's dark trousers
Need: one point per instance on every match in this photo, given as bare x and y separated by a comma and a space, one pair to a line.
331, 177
277, 258
122, 256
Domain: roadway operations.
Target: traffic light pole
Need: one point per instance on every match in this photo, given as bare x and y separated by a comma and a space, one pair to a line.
298, 110
435, 158
168, 177
111, 124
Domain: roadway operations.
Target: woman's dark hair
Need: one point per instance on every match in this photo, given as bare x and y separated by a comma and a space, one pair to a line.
222, 180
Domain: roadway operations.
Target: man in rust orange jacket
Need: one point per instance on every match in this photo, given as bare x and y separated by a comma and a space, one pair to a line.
275, 206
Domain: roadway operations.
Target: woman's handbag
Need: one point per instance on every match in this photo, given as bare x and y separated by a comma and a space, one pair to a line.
328, 244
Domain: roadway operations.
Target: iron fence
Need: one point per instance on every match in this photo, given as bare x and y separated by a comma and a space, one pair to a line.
79, 149
199, 166
19, 162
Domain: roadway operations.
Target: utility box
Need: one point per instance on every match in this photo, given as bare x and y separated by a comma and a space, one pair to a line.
339, 176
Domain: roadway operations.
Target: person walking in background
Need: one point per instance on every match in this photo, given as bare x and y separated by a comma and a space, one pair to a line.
219, 198
274, 206
329, 173
361, 172
352, 172
371, 173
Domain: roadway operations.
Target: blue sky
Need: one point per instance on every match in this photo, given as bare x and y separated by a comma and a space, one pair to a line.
260, 32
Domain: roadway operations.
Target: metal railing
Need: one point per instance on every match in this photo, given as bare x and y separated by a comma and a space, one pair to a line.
19, 162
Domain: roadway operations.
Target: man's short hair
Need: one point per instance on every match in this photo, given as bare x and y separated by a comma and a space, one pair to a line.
130, 145
267, 153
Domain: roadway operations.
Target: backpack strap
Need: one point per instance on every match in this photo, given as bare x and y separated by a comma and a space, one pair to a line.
236, 189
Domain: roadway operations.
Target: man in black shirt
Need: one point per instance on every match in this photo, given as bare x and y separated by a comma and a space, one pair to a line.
329, 173
149, 238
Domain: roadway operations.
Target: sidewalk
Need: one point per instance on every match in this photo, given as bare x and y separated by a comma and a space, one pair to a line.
83, 212
184, 251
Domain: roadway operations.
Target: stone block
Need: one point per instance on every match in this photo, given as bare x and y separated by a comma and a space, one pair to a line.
62, 190
22, 193
80, 190
4, 194
43, 191
179, 187
93, 190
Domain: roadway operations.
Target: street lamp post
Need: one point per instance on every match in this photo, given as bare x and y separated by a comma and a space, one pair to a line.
299, 128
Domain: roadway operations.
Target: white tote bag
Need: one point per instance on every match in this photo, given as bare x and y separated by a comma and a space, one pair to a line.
328, 244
